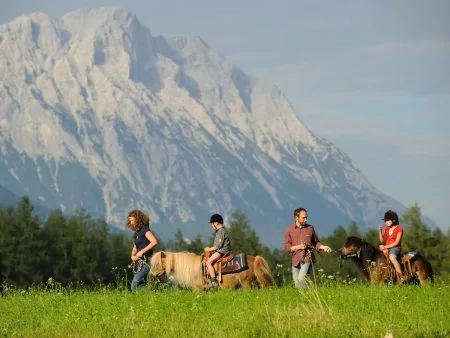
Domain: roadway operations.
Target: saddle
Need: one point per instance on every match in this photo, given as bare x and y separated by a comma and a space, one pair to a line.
406, 259
229, 263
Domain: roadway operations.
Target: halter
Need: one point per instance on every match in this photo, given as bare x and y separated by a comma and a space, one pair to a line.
357, 254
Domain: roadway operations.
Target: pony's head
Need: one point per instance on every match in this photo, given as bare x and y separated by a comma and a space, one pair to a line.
183, 268
358, 249
351, 247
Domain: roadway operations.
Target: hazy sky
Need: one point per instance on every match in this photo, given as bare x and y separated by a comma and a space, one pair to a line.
372, 77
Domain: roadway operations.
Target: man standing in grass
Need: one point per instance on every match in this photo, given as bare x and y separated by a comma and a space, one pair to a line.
300, 239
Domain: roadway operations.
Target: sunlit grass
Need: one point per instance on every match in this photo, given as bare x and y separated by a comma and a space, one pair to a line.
325, 311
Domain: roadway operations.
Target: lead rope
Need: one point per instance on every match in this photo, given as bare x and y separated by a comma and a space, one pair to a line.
308, 250
138, 264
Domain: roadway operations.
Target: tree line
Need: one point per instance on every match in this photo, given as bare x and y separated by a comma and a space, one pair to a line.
78, 249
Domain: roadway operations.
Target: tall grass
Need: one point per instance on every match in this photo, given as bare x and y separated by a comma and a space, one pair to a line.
325, 311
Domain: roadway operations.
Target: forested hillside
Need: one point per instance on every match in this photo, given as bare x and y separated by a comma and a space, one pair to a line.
80, 250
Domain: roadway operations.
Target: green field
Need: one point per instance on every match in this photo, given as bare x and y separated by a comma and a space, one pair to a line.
325, 311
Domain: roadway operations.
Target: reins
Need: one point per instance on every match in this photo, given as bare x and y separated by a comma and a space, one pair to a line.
309, 249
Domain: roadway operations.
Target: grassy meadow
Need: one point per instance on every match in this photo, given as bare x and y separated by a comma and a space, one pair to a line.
325, 311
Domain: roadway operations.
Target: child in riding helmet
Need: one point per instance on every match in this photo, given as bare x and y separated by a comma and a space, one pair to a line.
221, 247
391, 239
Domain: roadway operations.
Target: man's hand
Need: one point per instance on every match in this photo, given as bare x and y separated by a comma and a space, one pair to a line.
326, 248
301, 246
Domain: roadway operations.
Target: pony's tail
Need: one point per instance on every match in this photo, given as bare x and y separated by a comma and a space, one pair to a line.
425, 272
262, 273
430, 269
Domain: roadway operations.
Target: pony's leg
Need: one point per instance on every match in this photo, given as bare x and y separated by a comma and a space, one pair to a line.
246, 284
423, 277
421, 271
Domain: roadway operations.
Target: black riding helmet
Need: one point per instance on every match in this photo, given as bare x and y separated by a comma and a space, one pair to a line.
216, 218
391, 215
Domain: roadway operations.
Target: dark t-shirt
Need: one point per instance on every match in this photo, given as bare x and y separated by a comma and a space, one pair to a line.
222, 241
141, 241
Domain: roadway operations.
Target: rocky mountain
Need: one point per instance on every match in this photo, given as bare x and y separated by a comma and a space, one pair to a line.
96, 112
7, 198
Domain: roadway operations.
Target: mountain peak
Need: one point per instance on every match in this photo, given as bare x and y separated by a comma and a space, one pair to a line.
101, 14
185, 41
169, 126
34, 16
100, 21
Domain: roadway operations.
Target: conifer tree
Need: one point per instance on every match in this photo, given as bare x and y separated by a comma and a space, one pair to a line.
242, 237
27, 244
416, 235
178, 243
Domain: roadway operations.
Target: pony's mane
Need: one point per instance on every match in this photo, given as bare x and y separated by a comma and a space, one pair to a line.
359, 241
185, 267
355, 240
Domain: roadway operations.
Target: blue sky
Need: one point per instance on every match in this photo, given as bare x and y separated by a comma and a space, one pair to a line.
372, 77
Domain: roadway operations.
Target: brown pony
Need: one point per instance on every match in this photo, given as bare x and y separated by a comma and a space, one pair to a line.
377, 269
185, 270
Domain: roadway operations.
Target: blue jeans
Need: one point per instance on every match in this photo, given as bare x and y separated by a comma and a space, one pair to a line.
299, 275
140, 278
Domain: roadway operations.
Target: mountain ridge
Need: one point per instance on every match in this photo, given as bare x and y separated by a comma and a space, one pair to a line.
166, 125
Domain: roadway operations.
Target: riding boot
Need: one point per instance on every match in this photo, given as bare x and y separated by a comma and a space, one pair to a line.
214, 282
400, 278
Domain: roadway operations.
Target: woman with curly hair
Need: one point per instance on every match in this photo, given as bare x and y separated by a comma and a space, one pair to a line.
143, 244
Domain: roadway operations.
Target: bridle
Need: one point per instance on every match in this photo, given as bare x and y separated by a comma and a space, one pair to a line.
357, 254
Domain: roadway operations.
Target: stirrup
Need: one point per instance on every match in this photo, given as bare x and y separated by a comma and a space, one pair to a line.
214, 282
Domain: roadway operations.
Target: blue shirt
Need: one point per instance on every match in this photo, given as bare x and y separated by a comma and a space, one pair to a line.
141, 241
